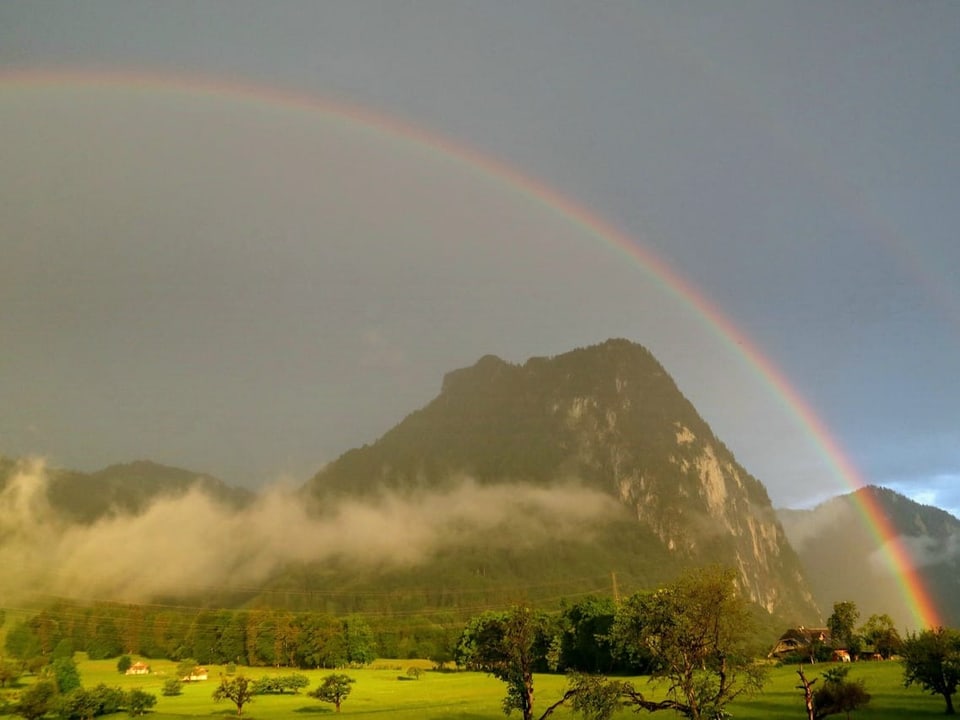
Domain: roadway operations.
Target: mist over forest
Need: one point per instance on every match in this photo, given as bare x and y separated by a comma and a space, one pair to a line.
193, 542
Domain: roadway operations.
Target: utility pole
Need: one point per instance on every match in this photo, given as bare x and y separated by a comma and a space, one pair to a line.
616, 589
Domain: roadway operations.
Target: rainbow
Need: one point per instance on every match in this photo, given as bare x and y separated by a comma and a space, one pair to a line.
921, 607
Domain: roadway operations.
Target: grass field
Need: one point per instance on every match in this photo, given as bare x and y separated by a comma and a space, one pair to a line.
380, 692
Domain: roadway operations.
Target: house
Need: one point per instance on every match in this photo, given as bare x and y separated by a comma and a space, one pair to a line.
802, 641
138, 668
198, 673
840, 656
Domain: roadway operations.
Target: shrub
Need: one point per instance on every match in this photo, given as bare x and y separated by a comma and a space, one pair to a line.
138, 702
172, 687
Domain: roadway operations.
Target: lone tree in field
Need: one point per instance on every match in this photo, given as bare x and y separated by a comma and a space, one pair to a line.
932, 660
508, 645
238, 690
334, 689
695, 631
172, 686
138, 702
511, 646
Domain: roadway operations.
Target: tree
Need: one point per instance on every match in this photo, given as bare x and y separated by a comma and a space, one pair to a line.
880, 632
238, 690
230, 645
66, 674
172, 687
595, 698
64, 649
807, 687
22, 642
78, 704
185, 668
105, 640
358, 641
320, 642
9, 674
334, 689
695, 631
109, 699
932, 660
138, 702
585, 643
278, 685
124, 663
37, 700
842, 624
440, 653
508, 645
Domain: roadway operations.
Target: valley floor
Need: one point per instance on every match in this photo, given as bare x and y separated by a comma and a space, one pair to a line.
385, 689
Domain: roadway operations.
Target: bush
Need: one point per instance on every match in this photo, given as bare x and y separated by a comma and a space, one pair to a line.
37, 700
78, 704
138, 702
839, 695
109, 699
172, 687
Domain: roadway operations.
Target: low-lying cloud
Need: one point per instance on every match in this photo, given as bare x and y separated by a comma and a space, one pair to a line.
922, 550
193, 542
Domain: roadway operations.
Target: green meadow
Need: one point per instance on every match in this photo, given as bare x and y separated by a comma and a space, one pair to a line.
384, 689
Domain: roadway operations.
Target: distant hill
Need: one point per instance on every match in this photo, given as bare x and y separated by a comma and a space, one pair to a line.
606, 418
845, 560
124, 488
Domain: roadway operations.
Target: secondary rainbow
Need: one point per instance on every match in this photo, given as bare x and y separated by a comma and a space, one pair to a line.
921, 606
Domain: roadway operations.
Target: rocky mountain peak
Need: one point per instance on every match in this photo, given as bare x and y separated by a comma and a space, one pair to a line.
610, 418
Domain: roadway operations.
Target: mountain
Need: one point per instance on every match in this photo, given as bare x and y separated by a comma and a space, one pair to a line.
605, 420
846, 560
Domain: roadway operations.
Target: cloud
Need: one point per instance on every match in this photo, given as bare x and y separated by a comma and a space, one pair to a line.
192, 542
923, 551
804, 526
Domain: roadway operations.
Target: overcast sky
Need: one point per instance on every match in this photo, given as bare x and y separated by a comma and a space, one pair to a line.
249, 287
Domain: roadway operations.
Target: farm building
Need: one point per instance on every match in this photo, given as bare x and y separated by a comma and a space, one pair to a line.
801, 641
198, 673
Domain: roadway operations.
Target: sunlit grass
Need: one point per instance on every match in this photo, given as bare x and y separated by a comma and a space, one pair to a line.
884, 681
384, 689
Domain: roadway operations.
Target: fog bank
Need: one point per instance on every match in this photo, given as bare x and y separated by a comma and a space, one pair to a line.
192, 542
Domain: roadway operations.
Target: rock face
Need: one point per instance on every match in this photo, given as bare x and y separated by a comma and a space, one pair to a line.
609, 418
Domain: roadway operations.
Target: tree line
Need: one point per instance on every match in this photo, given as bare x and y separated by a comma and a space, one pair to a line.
255, 638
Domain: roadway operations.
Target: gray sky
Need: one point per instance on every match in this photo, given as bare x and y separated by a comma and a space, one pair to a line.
249, 288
